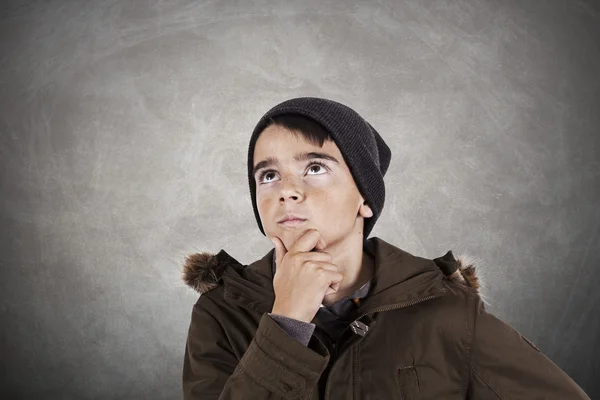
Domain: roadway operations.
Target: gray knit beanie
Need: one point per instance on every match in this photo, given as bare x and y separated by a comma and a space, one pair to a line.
364, 151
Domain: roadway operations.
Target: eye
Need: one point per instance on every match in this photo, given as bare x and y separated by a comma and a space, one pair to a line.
311, 165
318, 164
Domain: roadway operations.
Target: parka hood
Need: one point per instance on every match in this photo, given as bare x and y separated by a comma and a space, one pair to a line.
252, 285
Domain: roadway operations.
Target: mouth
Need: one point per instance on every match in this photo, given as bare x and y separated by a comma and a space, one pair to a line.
293, 222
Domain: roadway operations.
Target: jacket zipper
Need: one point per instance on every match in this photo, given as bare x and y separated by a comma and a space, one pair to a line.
366, 331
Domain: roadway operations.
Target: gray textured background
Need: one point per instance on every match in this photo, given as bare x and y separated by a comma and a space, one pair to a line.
124, 130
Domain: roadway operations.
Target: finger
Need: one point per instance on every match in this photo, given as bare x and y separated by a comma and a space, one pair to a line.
320, 246
308, 242
280, 250
328, 266
336, 282
335, 287
330, 291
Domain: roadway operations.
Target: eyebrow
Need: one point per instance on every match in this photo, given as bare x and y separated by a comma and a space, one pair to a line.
303, 156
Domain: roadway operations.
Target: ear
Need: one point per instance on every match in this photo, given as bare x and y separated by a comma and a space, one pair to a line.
364, 210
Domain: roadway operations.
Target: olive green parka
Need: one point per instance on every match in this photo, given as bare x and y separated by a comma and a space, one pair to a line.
421, 333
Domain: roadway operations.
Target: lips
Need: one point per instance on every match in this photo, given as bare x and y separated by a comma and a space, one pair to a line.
292, 222
292, 218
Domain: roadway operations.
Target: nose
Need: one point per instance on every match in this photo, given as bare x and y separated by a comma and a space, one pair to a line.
289, 189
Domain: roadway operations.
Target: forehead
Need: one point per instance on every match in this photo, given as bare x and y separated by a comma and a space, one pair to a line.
277, 143
277, 139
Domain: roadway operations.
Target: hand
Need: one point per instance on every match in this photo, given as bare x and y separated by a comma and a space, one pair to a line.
303, 277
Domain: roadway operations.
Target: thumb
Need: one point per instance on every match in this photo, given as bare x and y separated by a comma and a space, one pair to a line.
279, 250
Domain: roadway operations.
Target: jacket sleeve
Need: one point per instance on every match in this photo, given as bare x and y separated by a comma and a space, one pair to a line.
299, 330
506, 365
275, 365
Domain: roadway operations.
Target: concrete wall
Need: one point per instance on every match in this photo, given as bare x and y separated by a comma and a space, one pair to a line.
124, 131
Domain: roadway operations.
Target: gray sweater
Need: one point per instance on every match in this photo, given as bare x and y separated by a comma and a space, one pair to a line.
330, 319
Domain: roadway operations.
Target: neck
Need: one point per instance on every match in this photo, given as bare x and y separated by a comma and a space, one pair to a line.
355, 265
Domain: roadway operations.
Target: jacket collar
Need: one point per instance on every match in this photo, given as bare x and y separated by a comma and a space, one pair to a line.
399, 277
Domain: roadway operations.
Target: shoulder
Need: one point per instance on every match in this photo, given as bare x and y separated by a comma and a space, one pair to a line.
203, 272
456, 310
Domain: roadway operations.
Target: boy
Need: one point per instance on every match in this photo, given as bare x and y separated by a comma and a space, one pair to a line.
330, 314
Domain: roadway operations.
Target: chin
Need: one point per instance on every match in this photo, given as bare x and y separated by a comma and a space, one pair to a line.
292, 235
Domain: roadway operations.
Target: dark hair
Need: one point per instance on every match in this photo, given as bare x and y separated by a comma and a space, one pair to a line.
309, 129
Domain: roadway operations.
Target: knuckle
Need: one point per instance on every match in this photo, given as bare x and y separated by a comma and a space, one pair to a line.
315, 265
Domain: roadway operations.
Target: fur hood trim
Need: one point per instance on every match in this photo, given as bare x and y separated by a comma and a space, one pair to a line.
203, 271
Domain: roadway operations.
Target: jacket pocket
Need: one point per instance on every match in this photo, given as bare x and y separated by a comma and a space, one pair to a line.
408, 382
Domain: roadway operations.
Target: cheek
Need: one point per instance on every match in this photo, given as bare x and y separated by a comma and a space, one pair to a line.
261, 201
322, 183
264, 202
345, 204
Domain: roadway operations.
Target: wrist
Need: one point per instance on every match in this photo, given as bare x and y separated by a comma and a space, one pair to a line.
288, 314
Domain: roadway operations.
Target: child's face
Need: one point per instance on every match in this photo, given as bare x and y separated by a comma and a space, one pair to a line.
326, 196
